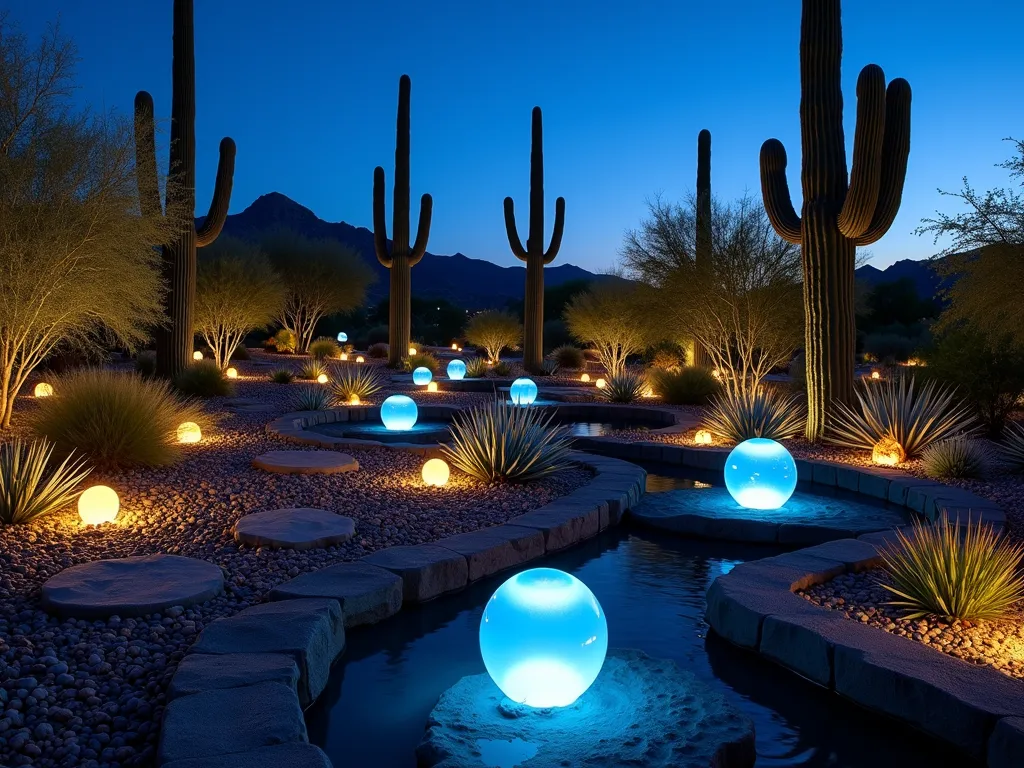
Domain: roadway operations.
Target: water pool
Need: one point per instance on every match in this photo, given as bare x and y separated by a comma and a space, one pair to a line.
652, 588
435, 431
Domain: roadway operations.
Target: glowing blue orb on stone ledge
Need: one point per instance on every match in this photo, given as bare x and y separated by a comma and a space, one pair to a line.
421, 376
543, 638
760, 474
342, 337
523, 391
399, 413
456, 370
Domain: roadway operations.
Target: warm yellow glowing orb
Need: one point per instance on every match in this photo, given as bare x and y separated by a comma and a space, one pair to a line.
888, 452
432, 386
344, 355
455, 346
359, 359
703, 437
43, 389
876, 375
412, 351
460, 349
189, 432
648, 392
321, 379
435, 472
600, 383
197, 355
353, 399
98, 505
585, 378
231, 373
716, 373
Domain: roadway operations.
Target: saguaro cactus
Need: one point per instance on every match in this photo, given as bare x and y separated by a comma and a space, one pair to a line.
174, 340
703, 244
534, 254
401, 259
839, 213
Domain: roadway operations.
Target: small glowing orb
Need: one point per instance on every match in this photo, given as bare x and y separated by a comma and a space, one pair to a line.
887, 452
359, 359
421, 376
412, 351
460, 349
353, 399
716, 373
600, 383
760, 474
321, 379
703, 437
648, 392
543, 638
43, 389
231, 373
585, 378
344, 356
189, 432
436, 472
876, 375
456, 370
523, 391
399, 413
342, 337
455, 346
197, 355
432, 386
98, 504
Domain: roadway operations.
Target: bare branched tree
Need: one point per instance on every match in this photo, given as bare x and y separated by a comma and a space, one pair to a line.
613, 320
494, 331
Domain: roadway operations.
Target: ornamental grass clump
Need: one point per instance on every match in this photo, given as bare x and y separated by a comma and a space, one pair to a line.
29, 488
311, 399
282, 376
476, 368
313, 369
684, 386
627, 387
500, 443
956, 457
358, 380
116, 419
952, 572
568, 356
422, 360
762, 412
203, 378
913, 417
325, 349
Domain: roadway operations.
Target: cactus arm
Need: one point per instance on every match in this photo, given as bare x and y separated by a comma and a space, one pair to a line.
145, 156
218, 213
380, 225
510, 229
556, 233
895, 153
865, 178
775, 191
419, 247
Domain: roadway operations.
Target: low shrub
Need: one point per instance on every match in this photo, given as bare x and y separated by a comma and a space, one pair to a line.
203, 379
145, 364
502, 369
627, 387
547, 368
241, 353
955, 457
116, 419
282, 376
360, 380
422, 360
29, 488
311, 399
476, 368
568, 356
378, 351
763, 412
325, 349
683, 386
313, 369
941, 570
284, 341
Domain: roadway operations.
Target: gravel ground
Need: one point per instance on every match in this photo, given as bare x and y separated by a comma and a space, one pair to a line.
91, 693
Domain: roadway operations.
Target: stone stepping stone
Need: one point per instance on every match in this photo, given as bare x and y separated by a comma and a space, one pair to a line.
367, 594
306, 462
131, 586
301, 528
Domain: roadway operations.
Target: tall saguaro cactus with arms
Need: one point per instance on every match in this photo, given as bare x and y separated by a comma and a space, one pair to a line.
174, 340
534, 254
702, 256
839, 212
401, 259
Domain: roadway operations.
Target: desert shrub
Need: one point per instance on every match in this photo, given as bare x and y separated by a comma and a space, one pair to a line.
283, 341
624, 388
282, 376
685, 386
145, 364
499, 443
568, 356
29, 488
762, 412
894, 408
502, 369
955, 457
324, 349
203, 378
116, 419
378, 351
241, 353
891, 347
422, 360
547, 368
610, 317
494, 331
476, 368
941, 570
313, 369
311, 399
359, 380
1011, 449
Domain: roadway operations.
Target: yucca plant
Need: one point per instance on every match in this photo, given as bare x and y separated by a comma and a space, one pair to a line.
203, 379
894, 408
476, 368
954, 573
28, 489
1011, 450
313, 369
500, 443
760, 412
312, 399
324, 349
282, 376
360, 380
955, 457
624, 388
683, 386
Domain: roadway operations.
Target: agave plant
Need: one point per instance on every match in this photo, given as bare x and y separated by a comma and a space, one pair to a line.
476, 368
895, 409
624, 388
312, 399
957, 574
955, 457
1011, 450
501, 443
282, 376
313, 369
359, 380
759, 412
27, 490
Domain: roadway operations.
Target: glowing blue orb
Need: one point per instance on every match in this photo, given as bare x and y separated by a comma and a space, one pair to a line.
399, 413
543, 638
342, 337
523, 391
421, 376
456, 370
760, 474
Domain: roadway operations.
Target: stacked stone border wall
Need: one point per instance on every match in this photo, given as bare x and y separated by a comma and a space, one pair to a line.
978, 710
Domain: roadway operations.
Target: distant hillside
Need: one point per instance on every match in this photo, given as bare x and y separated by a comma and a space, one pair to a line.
470, 283
921, 273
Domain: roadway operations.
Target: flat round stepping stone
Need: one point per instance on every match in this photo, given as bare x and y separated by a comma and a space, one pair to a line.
300, 528
131, 586
306, 462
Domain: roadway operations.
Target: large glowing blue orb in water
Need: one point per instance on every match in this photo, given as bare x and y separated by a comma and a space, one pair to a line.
421, 376
543, 638
398, 413
760, 474
456, 370
523, 391
342, 337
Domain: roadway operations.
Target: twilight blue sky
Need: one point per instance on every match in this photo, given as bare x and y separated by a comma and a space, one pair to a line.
308, 89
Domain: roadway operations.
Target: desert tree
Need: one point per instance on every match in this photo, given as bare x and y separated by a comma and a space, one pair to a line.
78, 262
236, 293
494, 331
610, 317
320, 277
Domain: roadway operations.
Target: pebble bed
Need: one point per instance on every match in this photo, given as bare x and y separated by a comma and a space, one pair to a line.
91, 693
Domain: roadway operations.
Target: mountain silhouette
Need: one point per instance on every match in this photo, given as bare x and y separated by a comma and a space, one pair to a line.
921, 273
